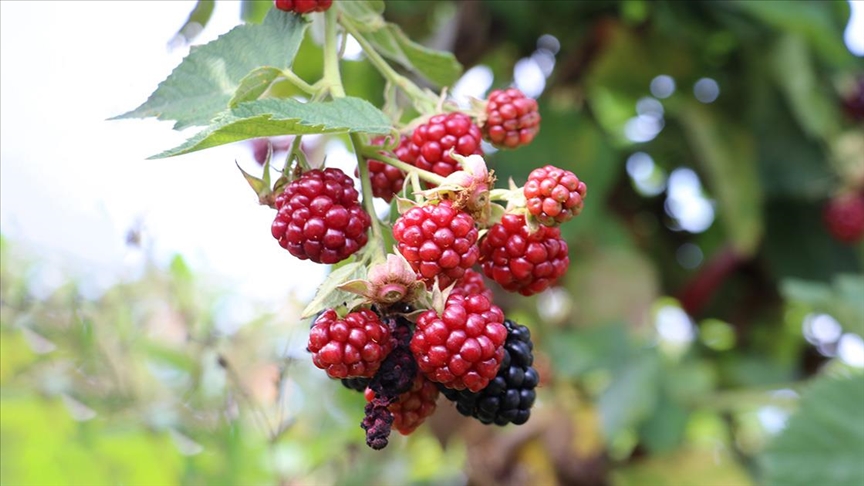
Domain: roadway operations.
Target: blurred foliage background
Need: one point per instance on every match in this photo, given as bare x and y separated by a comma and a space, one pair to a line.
708, 332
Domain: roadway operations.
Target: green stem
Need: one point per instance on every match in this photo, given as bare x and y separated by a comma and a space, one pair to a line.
366, 186
412, 90
373, 153
332, 79
298, 82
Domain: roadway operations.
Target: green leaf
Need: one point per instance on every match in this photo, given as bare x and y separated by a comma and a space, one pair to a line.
815, 21
631, 397
728, 154
273, 117
328, 295
823, 442
197, 20
438, 67
205, 81
794, 72
254, 85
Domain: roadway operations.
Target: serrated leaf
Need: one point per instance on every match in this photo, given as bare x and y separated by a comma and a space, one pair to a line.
728, 154
254, 84
439, 67
823, 442
328, 295
274, 117
205, 81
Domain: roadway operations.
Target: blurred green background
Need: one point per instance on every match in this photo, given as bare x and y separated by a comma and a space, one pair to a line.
708, 331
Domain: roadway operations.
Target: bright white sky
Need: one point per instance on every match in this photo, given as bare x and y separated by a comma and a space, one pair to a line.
72, 183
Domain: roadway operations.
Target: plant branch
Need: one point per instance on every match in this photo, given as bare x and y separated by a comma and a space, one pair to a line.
298, 82
422, 99
366, 186
373, 153
332, 79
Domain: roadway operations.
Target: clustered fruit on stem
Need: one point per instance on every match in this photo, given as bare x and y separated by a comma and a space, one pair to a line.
423, 322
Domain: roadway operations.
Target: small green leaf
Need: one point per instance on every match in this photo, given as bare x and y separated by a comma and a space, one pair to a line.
203, 84
273, 117
329, 295
254, 85
823, 442
439, 67
728, 154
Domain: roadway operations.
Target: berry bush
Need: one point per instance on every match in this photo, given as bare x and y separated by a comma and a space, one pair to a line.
656, 328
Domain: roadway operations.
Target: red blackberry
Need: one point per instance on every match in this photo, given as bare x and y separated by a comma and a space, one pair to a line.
430, 144
509, 397
351, 347
463, 347
319, 217
303, 6
438, 241
554, 195
412, 407
512, 119
387, 180
472, 284
523, 262
844, 217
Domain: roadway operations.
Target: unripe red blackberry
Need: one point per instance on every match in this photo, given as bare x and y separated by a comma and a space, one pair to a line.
509, 397
844, 217
303, 6
512, 119
351, 347
554, 195
320, 218
387, 180
438, 241
463, 347
520, 261
430, 143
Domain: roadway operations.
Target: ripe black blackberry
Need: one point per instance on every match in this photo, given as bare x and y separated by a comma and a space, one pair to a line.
356, 384
509, 397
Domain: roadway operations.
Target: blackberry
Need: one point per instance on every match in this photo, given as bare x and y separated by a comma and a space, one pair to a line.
356, 384
509, 397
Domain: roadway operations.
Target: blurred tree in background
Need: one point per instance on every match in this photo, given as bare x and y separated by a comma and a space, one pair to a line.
708, 332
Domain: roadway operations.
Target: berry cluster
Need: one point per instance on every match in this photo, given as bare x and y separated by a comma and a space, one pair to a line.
425, 322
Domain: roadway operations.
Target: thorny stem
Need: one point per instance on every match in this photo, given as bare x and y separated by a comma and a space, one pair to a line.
411, 89
374, 153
